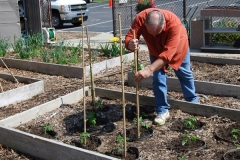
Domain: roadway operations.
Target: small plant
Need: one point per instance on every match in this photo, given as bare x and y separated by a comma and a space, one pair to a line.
47, 128
105, 48
237, 145
91, 118
144, 4
120, 140
4, 45
140, 65
99, 104
181, 158
187, 138
144, 124
83, 137
190, 122
18, 45
235, 132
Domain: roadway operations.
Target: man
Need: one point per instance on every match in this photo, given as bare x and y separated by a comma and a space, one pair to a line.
167, 42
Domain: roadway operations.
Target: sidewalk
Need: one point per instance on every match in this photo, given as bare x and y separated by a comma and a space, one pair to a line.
105, 37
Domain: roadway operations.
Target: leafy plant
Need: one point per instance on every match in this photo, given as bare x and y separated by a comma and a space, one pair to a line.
181, 158
190, 122
18, 45
91, 118
4, 45
144, 4
99, 103
237, 145
47, 128
83, 137
120, 140
105, 48
235, 132
187, 138
140, 65
144, 124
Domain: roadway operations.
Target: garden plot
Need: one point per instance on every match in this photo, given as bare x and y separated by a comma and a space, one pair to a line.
65, 70
203, 87
30, 88
57, 148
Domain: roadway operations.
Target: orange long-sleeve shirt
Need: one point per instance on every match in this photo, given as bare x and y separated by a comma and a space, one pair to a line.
170, 45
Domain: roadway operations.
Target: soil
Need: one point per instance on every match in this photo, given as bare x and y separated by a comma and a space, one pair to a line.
58, 86
6, 85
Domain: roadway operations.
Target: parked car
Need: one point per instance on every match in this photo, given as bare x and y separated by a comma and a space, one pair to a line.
89, 1
68, 11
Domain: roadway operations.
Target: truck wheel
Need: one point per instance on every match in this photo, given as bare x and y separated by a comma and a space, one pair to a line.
56, 21
89, 1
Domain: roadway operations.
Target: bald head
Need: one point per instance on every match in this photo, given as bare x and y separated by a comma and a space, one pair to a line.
154, 22
154, 18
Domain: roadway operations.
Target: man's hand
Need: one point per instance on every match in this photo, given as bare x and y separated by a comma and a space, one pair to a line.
133, 44
142, 74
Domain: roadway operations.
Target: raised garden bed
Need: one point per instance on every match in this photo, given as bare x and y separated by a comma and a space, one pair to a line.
48, 148
65, 70
27, 88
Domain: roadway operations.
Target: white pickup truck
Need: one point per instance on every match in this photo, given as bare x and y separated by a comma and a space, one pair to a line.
68, 11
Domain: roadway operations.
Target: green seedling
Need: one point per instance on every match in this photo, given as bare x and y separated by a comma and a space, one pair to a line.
140, 65
235, 132
99, 104
91, 118
83, 137
120, 140
187, 138
190, 122
4, 45
47, 128
144, 124
105, 48
181, 158
237, 145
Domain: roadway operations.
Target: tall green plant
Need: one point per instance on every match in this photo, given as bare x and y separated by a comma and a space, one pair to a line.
4, 45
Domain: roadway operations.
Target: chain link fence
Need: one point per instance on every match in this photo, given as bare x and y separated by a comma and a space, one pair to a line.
186, 10
46, 14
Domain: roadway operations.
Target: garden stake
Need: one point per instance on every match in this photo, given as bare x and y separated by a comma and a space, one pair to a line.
9, 71
91, 73
137, 90
84, 107
1, 87
123, 94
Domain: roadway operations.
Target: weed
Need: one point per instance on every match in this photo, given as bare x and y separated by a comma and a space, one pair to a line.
47, 128
235, 132
83, 137
4, 45
181, 158
140, 65
18, 45
144, 124
190, 122
91, 118
187, 138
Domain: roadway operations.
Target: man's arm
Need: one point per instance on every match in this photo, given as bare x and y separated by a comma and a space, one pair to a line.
142, 74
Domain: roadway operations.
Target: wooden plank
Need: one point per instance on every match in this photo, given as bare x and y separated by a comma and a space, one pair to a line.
45, 148
192, 108
32, 113
214, 60
20, 79
204, 87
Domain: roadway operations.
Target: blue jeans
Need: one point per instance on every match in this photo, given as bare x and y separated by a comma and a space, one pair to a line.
186, 79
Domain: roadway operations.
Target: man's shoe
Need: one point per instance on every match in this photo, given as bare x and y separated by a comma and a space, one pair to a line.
161, 118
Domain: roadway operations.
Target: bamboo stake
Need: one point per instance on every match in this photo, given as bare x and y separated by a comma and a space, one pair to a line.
137, 88
9, 71
83, 66
123, 94
91, 73
1, 87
